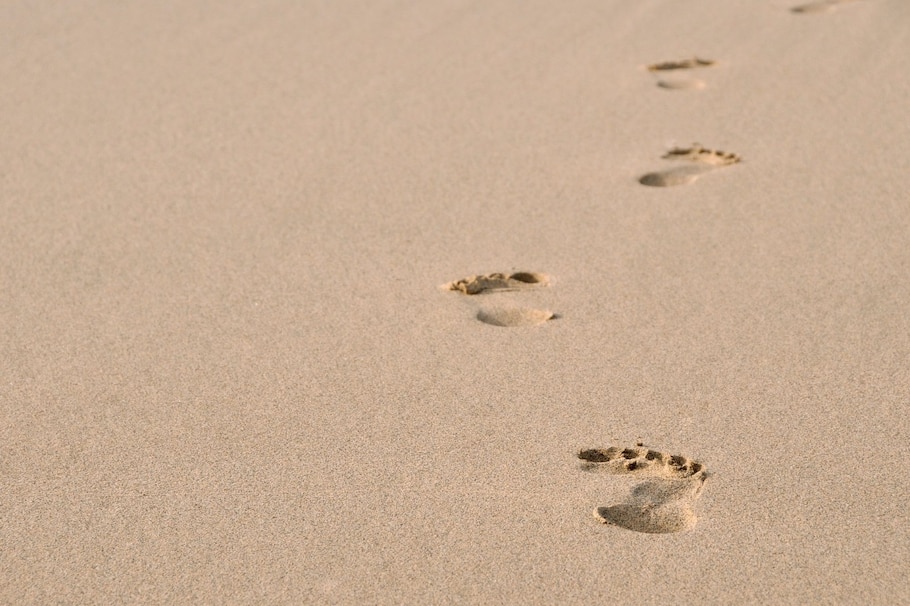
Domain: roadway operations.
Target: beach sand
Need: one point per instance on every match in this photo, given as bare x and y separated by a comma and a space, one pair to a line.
231, 370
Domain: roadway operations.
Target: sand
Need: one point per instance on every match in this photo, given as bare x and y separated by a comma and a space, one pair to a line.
228, 373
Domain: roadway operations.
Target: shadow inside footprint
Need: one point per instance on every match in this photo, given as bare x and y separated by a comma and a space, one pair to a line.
681, 83
682, 175
698, 161
822, 6
657, 506
514, 316
655, 520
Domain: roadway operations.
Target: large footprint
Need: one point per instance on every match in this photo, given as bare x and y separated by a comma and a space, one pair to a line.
822, 6
674, 67
697, 161
661, 504
500, 315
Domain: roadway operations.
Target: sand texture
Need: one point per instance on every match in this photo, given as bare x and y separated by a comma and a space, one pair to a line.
452, 302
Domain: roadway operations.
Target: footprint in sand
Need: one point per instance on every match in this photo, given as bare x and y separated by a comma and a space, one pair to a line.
677, 81
503, 315
822, 6
515, 316
663, 502
697, 161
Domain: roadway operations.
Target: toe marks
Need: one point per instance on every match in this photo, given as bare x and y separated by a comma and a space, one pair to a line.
629, 460
475, 285
669, 77
682, 64
599, 455
697, 161
697, 153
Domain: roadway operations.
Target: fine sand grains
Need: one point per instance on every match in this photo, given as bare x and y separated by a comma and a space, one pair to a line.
661, 504
696, 161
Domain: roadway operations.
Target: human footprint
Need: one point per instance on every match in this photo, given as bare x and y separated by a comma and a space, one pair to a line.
673, 69
661, 504
501, 313
696, 161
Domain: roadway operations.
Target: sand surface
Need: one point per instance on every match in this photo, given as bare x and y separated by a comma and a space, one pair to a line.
229, 373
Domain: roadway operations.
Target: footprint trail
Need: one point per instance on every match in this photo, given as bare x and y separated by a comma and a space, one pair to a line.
662, 503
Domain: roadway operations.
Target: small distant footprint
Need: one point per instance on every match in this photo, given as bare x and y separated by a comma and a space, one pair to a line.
503, 315
661, 504
676, 82
698, 160
476, 285
821, 6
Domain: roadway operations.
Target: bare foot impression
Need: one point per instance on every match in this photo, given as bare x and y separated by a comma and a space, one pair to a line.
663, 502
675, 81
476, 285
500, 315
822, 6
697, 161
